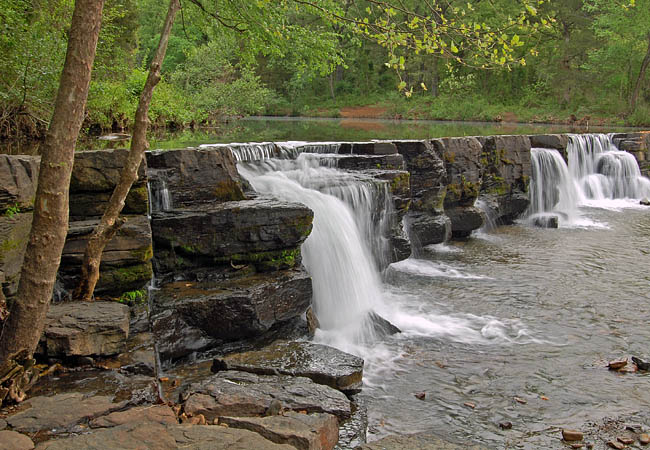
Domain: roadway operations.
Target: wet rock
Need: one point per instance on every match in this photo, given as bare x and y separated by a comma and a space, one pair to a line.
11, 440
312, 321
14, 233
505, 425
302, 431
520, 400
86, 328
555, 141
161, 414
645, 201
196, 176
617, 364
323, 364
421, 395
615, 444
374, 148
417, 442
644, 439
641, 364
571, 435
226, 311
425, 229
428, 176
625, 440
61, 412
126, 260
381, 326
163, 437
263, 232
242, 394
546, 221
18, 179
365, 162
464, 220
470, 405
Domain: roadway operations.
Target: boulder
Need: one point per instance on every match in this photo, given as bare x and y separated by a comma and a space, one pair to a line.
426, 229
555, 141
323, 364
364, 162
242, 394
18, 180
374, 148
196, 175
126, 260
462, 158
12, 440
85, 328
428, 177
93, 204
153, 435
546, 221
644, 201
464, 220
161, 414
229, 310
263, 232
14, 233
303, 431
61, 412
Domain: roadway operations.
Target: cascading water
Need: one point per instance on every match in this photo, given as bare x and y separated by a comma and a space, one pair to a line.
596, 172
345, 279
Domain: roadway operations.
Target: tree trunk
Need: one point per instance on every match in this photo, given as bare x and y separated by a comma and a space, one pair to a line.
634, 97
24, 326
111, 221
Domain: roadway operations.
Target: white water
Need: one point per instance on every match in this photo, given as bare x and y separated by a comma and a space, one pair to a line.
597, 175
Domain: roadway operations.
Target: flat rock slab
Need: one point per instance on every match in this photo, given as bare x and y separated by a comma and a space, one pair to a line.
61, 412
232, 393
11, 440
302, 431
147, 435
322, 364
86, 328
161, 414
416, 442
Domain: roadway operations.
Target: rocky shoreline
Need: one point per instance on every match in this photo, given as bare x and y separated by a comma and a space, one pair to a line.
216, 354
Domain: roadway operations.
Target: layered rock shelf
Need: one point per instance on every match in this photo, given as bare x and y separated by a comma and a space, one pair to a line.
229, 290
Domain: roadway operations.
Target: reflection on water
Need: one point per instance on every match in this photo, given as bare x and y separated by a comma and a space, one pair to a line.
260, 129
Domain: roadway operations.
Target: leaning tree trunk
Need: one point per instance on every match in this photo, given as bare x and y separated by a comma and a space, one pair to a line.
111, 220
634, 97
24, 326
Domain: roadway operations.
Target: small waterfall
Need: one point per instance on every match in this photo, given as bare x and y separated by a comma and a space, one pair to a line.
252, 151
291, 149
337, 254
491, 215
596, 172
159, 197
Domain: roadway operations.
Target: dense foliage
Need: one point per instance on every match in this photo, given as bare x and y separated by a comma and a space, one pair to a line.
527, 60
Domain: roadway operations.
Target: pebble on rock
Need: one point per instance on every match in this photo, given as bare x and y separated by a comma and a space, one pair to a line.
470, 405
625, 440
571, 435
505, 425
617, 365
420, 395
615, 444
644, 439
521, 400
577, 445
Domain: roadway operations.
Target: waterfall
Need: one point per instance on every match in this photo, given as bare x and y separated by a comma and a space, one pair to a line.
337, 254
159, 196
596, 172
258, 151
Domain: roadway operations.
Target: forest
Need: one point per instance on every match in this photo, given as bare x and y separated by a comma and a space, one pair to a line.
558, 61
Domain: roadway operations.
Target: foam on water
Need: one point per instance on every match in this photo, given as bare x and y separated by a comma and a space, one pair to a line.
432, 269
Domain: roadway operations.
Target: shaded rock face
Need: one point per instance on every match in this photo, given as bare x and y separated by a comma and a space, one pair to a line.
241, 394
322, 364
639, 145
555, 141
462, 158
371, 148
364, 162
507, 174
192, 316
14, 233
84, 329
95, 175
18, 178
428, 178
464, 220
425, 229
196, 176
263, 232
126, 260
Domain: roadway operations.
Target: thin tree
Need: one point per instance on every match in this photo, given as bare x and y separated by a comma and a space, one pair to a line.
111, 221
23, 328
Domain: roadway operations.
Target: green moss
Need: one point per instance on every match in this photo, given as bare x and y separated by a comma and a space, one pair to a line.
143, 254
268, 261
122, 279
133, 297
400, 182
228, 191
449, 157
137, 201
